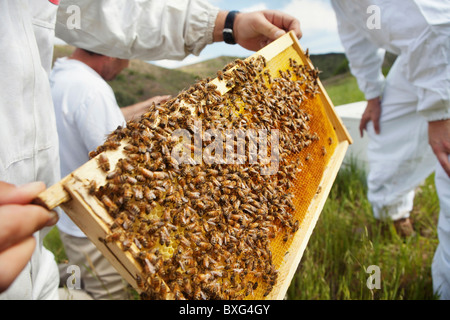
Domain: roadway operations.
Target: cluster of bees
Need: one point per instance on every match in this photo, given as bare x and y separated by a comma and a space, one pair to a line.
204, 231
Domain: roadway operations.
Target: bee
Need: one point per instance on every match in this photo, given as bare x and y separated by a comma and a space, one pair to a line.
115, 236
230, 83
109, 204
92, 187
127, 192
177, 293
126, 244
268, 290
144, 241
140, 178
138, 192
149, 268
103, 162
148, 194
166, 215
134, 209
127, 166
185, 242
131, 148
140, 282
111, 145
113, 174
199, 294
164, 237
93, 154
204, 245
324, 151
296, 226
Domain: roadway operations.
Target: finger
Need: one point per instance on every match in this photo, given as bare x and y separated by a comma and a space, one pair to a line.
10, 193
284, 22
295, 26
376, 125
442, 152
165, 98
362, 126
21, 221
268, 26
444, 162
13, 260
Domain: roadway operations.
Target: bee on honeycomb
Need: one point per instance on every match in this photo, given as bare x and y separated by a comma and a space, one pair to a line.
204, 230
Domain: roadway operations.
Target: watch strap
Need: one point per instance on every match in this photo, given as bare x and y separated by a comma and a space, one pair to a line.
228, 33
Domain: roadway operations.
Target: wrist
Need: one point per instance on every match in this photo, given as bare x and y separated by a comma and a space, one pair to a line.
219, 25
224, 27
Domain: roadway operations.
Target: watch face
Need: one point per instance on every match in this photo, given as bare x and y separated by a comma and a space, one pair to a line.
228, 36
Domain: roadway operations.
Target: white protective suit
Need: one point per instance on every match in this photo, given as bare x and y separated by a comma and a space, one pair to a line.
416, 90
147, 30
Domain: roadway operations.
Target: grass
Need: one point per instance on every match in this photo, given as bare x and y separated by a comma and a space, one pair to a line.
343, 89
347, 239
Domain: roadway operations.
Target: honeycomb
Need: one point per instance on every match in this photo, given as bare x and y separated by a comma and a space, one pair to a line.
206, 229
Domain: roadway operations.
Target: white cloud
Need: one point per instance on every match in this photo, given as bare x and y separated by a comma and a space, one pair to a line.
255, 7
314, 15
318, 24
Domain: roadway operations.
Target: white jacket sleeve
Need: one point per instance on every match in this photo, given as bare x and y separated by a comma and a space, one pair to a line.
428, 59
146, 30
365, 58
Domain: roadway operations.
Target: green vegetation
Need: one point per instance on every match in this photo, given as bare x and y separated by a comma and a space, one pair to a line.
208, 68
347, 239
343, 89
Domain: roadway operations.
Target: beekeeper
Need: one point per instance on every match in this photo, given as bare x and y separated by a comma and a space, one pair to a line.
147, 30
407, 117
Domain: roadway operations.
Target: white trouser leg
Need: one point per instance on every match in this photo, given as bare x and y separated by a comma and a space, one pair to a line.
400, 157
441, 262
399, 160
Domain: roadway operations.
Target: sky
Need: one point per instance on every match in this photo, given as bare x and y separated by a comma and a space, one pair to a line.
317, 21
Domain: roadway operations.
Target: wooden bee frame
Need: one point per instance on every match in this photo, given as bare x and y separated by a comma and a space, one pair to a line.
73, 196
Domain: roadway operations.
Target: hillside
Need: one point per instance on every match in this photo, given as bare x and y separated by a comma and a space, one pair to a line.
208, 68
329, 64
143, 80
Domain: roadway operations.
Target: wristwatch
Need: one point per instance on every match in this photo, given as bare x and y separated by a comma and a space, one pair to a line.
228, 35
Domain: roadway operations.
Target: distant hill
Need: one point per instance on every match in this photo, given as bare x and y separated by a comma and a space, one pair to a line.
329, 64
142, 80
208, 68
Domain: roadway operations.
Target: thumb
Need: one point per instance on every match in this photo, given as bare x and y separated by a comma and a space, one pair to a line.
24, 194
269, 30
